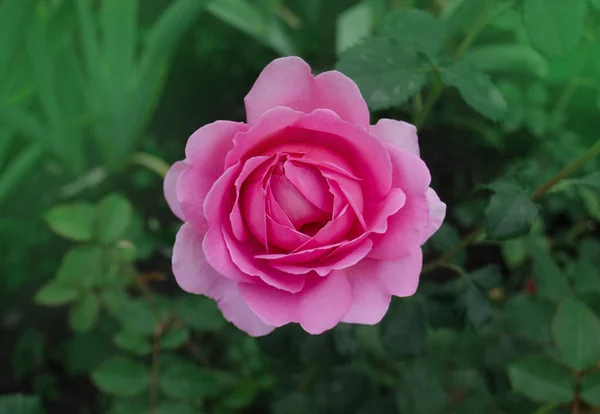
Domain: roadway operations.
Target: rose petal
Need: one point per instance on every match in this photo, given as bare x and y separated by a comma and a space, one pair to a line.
401, 276
253, 208
193, 187
284, 237
218, 256
331, 232
310, 183
219, 200
377, 214
236, 311
400, 134
170, 187
288, 82
437, 213
370, 296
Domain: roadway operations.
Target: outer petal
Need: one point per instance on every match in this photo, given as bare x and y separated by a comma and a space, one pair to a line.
207, 147
219, 257
437, 213
370, 296
318, 307
400, 134
288, 82
193, 187
236, 311
401, 277
170, 187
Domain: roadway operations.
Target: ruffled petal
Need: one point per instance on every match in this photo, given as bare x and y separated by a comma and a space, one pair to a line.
437, 213
400, 134
170, 187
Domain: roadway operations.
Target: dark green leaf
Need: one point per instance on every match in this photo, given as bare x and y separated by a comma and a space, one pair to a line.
476, 89
403, 329
419, 390
510, 213
20, 404
476, 306
541, 379
121, 376
586, 277
576, 331
551, 282
84, 312
554, 26
132, 342
591, 201
294, 403
241, 394
81, 266
18, 168
529, 317
183, 380
386, 72
590, 388
200, 313
113, 218
174, 338
416, 29
445, 239
56, 293
72, 221
137, 316
175, 408
487, 277
85, 352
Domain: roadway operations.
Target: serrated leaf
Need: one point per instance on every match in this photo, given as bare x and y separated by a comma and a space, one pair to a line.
576, 331
551, 282
174, 338
590, 388
132, 342
84, 312
20, 404
200, 313
72, 221
541, 379
476, 89
387, 73
554, 26
184, 380
416, 29
510, 213
114, 214
55, 293
122, 376
353, 25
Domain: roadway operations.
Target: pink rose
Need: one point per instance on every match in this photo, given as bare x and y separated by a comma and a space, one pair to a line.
306, 213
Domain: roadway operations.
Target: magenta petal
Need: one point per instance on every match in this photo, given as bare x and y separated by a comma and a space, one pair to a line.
217, 255
170, 187
208, 146
400, 134
285, 237
219, 201
370, 296
190, 267
324, 302
310, 183
339, 93
437, 213
273, 306
236, 311
253, 208
331, 232
376, 214
401, 276
297, 208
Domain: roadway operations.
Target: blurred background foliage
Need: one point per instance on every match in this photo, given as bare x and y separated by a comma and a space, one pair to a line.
95, 97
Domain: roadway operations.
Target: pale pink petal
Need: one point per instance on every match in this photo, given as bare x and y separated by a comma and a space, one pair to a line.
401, 276
437, 213
208, 146
273, 306
236, 311
377, 214
193, 187
370, 297
409, 171
339, 93
218, 256
219, 199
275, 211
400, 134
310, 183
192, 271
170, 187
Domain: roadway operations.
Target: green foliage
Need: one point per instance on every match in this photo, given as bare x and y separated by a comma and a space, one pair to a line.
120, 375
72, 221
542, 379
510, 213
20, 404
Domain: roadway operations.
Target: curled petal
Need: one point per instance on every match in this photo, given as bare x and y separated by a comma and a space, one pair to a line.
437, 213
236, 311
170, 187
400, 134
310, 183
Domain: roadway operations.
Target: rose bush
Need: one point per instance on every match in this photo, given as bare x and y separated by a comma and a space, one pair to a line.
306, 213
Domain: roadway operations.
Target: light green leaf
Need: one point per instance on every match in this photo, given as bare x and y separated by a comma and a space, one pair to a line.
596, 4
476, 89
84, 312
416, 30
183, 380
555, 26
541, 379
459, 15
510, 213
15, 19
18, 168
507, 58
56, 293
174, 338
133, 342
122, 376
576, 331
387, 73
81, 266
551, 282
590, 388
20, 404
200, 313
72, 221
114, 214
353, 25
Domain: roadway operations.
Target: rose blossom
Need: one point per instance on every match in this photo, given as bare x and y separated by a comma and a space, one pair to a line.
305, 213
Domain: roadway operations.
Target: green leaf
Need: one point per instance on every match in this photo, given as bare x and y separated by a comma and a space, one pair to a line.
240, 394
416, 30
476, 306
555, 26
56, 293
72, 221
84, 312
15, 19
353, 25
175, 408
541, 379
294, 403
459, 15
114, 214
132, 342
84, 352
476, 89
81, 266
510, 214
174, 338
551, 282
136, 316
487, 277
18, 168
19, 403
419, 390
586, 277
403, 329
576, 331
386, 72
591, 201
200, 313
507, 58
590, 388
183, 380
122, 376
529, 317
